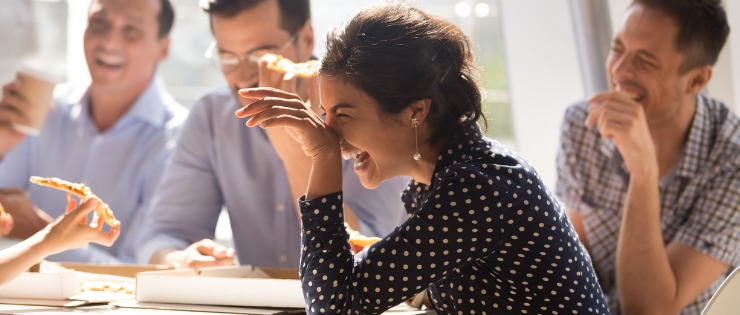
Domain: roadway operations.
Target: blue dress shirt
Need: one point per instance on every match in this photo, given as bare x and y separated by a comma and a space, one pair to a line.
219, 162
121, 165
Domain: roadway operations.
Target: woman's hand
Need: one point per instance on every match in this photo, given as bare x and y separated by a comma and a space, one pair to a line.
67, 232
276, 108
71, 231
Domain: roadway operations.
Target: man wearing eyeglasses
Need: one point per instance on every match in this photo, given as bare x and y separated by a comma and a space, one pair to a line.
256, 175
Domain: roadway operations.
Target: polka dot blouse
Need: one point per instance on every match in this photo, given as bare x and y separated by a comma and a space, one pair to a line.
485, 237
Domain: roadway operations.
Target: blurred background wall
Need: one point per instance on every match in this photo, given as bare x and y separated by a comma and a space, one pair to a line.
537, 56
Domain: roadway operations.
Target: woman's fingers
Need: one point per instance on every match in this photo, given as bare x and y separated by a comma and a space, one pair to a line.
275, 111
268, 102
262, 92
71, 205
70, 231
266, 98
84, 209
93, 235
107, 239
283, 121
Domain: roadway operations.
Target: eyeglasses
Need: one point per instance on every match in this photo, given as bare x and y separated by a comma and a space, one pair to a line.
229, 62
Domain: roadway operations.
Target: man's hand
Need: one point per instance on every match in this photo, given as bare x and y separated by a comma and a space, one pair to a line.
27, 218
619, 118
13, 110
204, 253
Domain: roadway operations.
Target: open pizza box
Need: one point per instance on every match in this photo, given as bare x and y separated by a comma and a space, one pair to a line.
243, 286
53, 284
128, 271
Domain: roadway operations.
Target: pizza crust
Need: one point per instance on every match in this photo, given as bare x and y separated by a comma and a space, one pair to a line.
102, 211
359, 241
278, 63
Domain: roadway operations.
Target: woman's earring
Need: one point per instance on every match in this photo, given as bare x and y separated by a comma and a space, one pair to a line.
415, 123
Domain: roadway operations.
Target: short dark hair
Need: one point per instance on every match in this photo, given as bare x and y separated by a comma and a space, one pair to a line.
293, 13
166, 18
399, 54
702, 28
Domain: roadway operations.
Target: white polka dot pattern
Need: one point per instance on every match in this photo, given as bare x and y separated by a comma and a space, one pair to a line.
485, 237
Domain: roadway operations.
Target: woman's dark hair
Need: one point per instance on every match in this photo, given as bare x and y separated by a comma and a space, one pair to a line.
398, 54
702, 28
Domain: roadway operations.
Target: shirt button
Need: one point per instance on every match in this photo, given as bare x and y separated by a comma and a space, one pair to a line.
282, 259
280, 208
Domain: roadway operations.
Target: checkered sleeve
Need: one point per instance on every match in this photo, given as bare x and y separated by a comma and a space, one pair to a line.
569, 186
713, 227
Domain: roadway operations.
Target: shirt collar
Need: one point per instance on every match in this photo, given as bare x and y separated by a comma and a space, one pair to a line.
149, 107
458, 149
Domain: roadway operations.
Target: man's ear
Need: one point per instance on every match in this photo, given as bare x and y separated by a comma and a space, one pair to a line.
698, 79
419, 110
306, 39
165, 47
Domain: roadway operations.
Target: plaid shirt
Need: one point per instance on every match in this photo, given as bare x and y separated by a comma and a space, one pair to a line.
699, 198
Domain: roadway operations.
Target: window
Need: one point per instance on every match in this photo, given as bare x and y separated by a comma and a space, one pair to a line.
34, 35
479, 19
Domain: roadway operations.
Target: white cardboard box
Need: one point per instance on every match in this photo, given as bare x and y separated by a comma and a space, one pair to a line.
51, 285
60, 284
233, 286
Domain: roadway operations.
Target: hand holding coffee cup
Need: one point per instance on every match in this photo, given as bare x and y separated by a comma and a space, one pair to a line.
36, 88
24, 106
14, 110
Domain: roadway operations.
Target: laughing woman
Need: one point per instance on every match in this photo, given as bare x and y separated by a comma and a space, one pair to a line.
484, 235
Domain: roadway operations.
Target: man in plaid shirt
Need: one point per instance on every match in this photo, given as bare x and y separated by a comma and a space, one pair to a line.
649, 171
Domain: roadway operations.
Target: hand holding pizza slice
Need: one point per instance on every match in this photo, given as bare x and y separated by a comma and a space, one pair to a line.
102, 214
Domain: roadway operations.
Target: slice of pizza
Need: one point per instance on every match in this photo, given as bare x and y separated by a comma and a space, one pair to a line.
359, 241
278, 63
103, 213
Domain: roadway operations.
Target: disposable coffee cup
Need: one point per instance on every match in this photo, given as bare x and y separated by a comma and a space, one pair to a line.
37, 88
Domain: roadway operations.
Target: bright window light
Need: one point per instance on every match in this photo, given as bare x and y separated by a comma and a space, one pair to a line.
462, 9
482, 9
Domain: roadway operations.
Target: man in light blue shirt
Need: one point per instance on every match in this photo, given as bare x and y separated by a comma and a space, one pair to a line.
114, 136
256, 174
